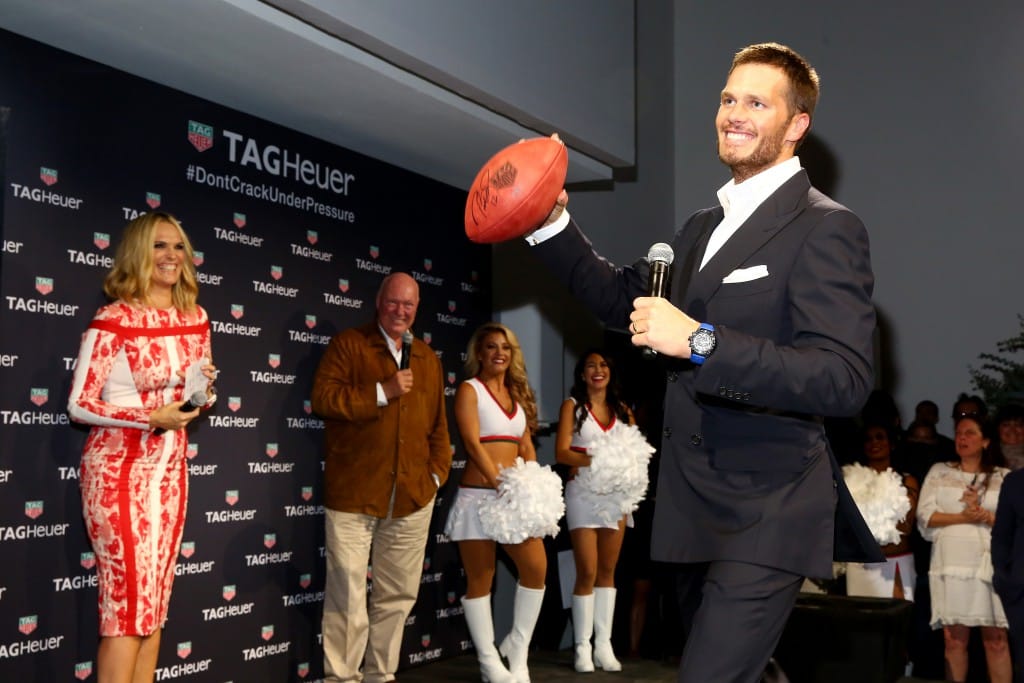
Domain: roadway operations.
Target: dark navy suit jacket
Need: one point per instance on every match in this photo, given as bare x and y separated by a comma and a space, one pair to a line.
746, 472
1008, 542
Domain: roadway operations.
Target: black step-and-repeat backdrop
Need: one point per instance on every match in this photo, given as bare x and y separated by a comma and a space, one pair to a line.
292, 238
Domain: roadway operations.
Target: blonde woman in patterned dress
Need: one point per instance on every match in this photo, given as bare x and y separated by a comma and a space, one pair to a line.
128, 385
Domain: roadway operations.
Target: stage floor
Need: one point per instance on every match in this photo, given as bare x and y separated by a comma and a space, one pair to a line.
555, 667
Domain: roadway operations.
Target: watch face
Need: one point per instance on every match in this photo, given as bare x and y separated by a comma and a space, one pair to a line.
703, 342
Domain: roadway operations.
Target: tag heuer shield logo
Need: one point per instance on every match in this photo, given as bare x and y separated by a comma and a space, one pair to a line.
48, 175
200, 135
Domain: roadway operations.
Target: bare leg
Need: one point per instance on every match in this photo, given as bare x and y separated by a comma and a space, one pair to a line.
955, 638
145, 663
997, 654
584, 554
478, 561
116, 659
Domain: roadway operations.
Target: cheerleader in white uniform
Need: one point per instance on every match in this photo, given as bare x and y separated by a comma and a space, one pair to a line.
496, 413
593, 408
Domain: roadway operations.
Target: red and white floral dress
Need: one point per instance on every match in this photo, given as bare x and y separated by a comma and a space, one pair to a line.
134, 481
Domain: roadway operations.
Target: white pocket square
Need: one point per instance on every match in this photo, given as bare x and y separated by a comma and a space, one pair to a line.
745, 275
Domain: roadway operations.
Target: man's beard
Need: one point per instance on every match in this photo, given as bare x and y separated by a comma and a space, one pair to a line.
764, 155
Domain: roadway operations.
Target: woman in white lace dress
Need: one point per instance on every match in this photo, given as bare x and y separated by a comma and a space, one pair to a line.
956, 512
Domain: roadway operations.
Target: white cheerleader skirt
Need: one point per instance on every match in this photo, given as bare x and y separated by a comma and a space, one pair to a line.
876, 580
581, 514
464, 517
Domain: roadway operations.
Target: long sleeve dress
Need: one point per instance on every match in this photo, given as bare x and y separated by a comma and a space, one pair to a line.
133, 479
960, 573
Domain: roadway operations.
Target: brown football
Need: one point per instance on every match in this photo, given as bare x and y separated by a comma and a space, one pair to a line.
515, 190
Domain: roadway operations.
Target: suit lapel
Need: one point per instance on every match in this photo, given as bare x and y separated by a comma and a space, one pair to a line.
694, 244
768, 219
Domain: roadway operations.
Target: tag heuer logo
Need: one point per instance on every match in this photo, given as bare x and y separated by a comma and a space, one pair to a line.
274, 360
39, 396
310, 321
374, 251
427, 264
197, 258
87, 560
311, 236
276, 272
237, 311
271, 450
188, 549
307, 493
269, 540
305, 580
33, 508
44, 285
307, 407
427, 337
191, 450
152, 199
228, 592
48, 175
302, 669
200, 135
267, 632
101, 239
234, 403
28, 624
231, 497
83, 670
185, 649
239, 219
343, 284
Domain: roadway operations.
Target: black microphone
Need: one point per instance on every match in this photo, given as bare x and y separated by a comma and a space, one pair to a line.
659, 258
406, 350
196, 400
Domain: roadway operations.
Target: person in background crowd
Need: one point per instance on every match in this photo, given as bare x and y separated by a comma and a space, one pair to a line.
897, 577
128, 385
969, 405
1008, 563
927, 412
496, 412
750, 499
594, 407
1010, 424
387, 453
956, 512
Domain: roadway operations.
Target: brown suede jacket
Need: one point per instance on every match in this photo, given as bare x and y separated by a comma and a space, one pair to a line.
371, 450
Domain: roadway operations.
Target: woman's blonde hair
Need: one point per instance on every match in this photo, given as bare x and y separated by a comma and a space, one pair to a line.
131, 275
515, 377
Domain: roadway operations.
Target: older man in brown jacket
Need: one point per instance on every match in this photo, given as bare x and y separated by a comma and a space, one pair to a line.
387, 453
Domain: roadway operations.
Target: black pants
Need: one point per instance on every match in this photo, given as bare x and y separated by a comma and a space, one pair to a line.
733, 615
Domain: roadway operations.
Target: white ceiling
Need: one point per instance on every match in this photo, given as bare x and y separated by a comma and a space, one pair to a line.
250, 56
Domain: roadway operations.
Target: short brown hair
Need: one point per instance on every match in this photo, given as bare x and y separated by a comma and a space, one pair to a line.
804, 84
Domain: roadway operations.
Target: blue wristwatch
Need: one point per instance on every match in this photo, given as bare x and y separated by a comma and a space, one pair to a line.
702, 343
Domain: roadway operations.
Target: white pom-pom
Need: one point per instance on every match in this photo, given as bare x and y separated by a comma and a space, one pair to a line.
616, 480
528, 505
881, 498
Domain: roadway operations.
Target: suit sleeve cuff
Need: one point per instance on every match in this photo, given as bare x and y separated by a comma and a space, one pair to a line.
382, 399
548, 231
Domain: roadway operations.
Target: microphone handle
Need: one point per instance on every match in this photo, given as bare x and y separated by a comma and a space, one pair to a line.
657, 285
406, 352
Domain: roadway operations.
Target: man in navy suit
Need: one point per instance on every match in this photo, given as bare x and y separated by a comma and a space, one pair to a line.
1008, 563
767, 329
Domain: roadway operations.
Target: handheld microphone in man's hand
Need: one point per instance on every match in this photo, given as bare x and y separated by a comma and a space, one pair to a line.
659, 258
406, 350
196, 400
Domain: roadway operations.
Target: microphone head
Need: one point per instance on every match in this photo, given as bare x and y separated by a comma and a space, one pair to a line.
407, 337
660, 252
198, 399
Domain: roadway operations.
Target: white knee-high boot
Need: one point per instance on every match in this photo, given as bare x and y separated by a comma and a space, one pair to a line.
481, 630
604, 611
516, 646
582, 630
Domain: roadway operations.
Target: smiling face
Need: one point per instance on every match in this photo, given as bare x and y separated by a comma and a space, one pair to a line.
168, 259
596, 372
755, 127
397, 303
495, 354
876, 445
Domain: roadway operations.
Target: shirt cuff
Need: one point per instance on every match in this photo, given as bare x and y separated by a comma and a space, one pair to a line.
437, 480
382, 399
548, 231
